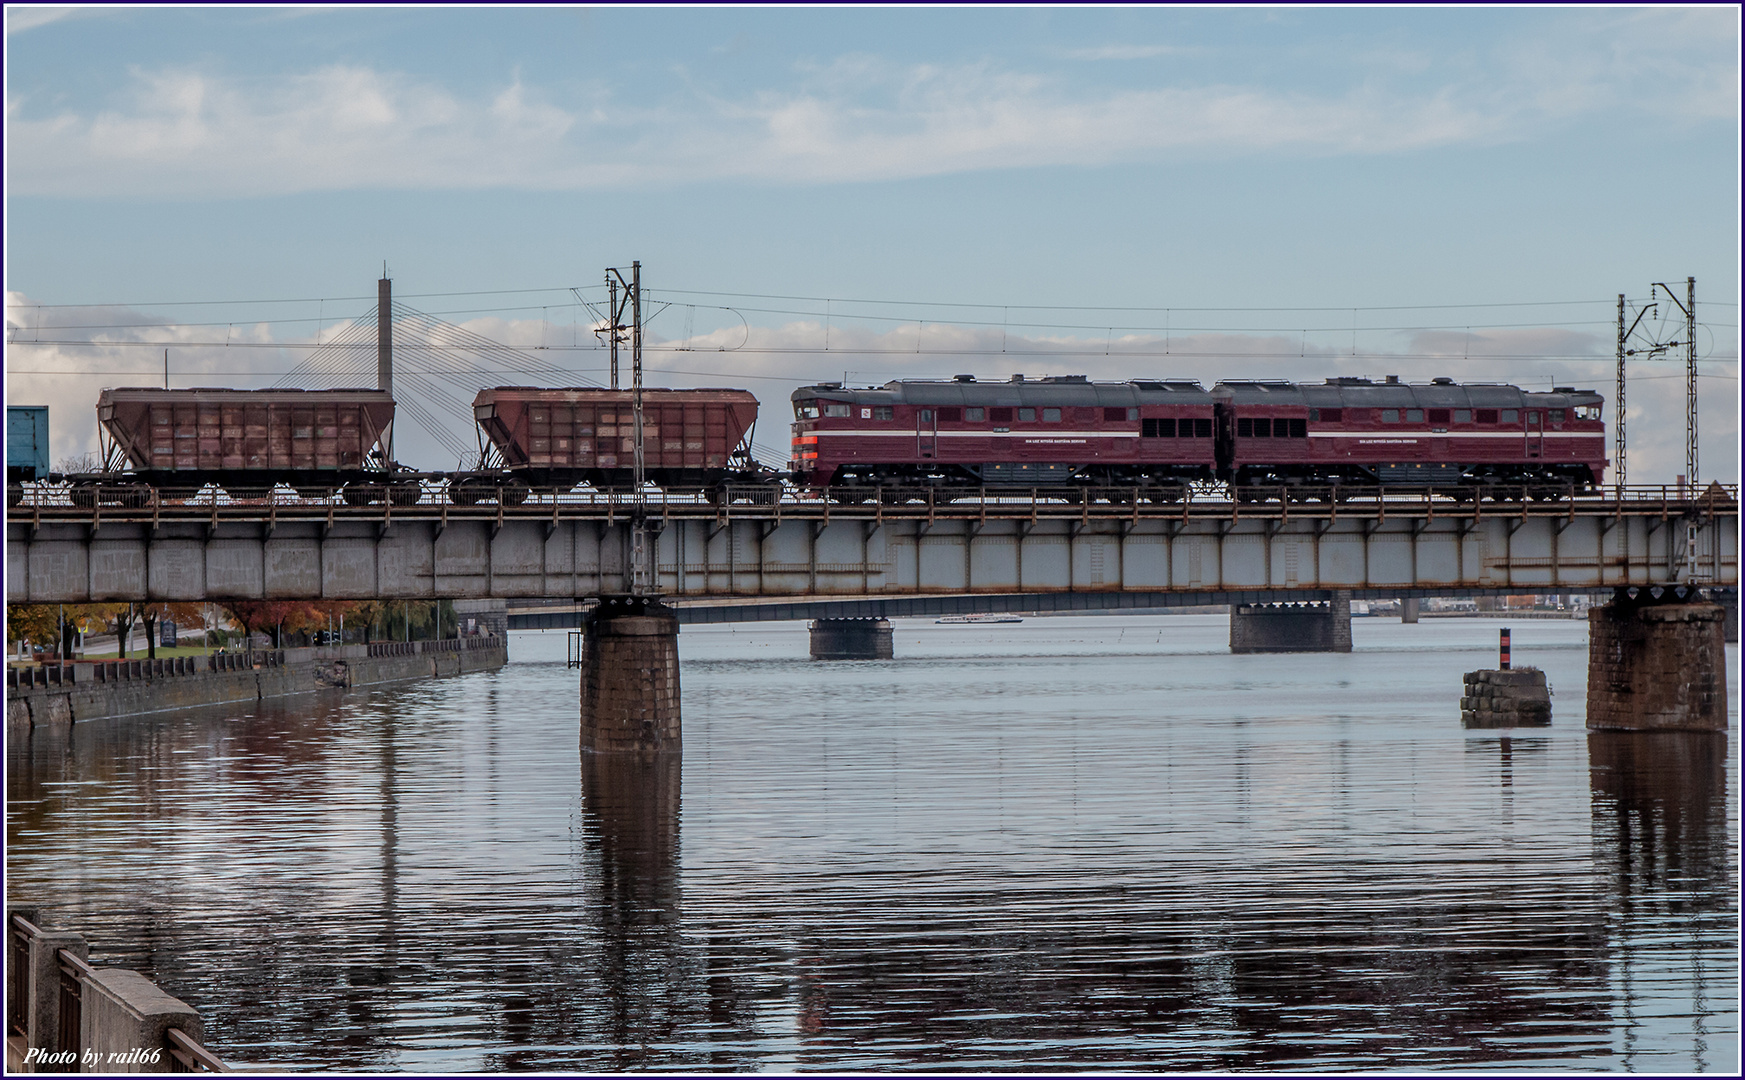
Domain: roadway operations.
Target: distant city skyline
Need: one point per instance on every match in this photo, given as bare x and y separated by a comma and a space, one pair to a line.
873, 193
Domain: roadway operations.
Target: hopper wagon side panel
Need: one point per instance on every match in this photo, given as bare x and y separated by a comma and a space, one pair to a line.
238, 431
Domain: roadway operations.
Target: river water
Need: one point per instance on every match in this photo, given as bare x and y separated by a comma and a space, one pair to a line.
1071, 843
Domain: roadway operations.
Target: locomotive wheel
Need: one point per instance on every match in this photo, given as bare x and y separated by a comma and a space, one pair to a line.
850, 496
464, 493
515, 494
85, 495
134, 496
361, 494
405, 494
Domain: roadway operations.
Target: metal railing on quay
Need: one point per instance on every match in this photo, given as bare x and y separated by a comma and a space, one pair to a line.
188, 1056
72, 974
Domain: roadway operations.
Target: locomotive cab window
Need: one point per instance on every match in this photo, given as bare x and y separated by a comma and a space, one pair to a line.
881, 412
805, 410
1051, 416
1587, 412
1555, 415
836, 408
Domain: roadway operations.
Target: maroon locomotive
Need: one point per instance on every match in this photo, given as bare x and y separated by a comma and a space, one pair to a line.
559, 437
1157, 435
1059, 430
1350, 430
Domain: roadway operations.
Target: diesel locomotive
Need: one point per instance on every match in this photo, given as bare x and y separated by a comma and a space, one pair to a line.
1156, 436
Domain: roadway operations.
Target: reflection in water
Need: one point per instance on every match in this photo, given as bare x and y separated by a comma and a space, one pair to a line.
962, 863
630, 814
1660, 825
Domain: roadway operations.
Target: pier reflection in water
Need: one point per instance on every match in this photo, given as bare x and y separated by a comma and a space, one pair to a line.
1075, 842
1660, 812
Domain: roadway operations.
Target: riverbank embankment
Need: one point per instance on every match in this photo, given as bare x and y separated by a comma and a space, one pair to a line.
55, 695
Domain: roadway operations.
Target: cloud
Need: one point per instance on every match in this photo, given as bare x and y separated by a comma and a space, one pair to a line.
1127, 52
185, 132
435, 385
22, 19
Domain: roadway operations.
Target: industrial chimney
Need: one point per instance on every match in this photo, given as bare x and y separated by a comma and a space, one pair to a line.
385, 334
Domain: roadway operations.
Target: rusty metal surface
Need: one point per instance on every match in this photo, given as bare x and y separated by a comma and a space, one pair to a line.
227, 430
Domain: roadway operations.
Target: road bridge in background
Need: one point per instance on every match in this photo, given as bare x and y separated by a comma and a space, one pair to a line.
578, 545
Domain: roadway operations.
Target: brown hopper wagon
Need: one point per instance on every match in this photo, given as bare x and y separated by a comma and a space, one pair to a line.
561, 437
248, 441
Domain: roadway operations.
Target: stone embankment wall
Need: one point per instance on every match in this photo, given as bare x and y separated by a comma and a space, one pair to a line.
64, 694
1500, 699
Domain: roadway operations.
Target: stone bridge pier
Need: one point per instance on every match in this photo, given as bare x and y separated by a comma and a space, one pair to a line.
1280, 628
630, 677
1657, 661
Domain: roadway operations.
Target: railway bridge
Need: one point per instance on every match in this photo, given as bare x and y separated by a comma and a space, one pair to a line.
579, 544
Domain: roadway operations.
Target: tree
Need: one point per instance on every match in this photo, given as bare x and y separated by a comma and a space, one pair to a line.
181, 613
282, 617
36, 623
124, 618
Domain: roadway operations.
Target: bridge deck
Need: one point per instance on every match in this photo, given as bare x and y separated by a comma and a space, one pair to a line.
579, 545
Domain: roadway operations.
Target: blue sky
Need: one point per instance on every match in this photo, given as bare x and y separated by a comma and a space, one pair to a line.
1372, 186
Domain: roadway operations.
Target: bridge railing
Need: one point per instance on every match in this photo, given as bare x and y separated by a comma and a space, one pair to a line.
131, 498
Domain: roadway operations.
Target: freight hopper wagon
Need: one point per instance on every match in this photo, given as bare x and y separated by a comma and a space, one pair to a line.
244, 441
559, 438
1461, 437
1150, 437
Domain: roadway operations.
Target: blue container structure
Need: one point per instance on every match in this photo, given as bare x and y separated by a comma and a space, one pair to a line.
26, 443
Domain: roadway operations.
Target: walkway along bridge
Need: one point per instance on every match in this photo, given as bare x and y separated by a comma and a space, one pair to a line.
578, 544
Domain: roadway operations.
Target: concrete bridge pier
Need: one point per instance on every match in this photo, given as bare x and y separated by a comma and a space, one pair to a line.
1409, 609
630, 677
1657, 662
1280, 628
851, 639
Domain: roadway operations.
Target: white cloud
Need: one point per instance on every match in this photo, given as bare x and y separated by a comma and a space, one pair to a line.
184, 132
21, 19
1127, 52
773, 360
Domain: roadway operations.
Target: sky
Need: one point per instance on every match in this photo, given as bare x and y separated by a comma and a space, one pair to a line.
871, 193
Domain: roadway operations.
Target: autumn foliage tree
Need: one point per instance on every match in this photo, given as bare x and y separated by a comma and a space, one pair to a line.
278, 618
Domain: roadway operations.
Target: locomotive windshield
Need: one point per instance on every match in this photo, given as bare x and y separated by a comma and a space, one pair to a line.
805, 410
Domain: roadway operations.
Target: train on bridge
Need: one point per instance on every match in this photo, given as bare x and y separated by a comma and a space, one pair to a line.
1141, 439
